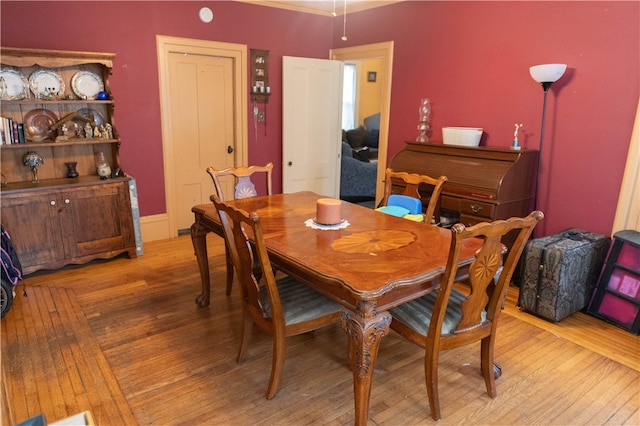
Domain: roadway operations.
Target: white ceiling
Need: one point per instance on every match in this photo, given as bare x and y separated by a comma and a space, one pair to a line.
323, 7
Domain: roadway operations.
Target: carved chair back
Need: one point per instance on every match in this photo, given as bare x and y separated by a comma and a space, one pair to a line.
243, 185
412, 183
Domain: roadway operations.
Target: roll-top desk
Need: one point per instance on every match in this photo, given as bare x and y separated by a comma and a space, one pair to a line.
484, 183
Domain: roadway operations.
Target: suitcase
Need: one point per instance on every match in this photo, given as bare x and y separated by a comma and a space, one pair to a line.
559, 272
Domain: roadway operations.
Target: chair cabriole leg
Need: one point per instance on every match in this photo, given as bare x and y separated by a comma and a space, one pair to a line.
277, 365
431, 375
229, 269
486, 359
247, 328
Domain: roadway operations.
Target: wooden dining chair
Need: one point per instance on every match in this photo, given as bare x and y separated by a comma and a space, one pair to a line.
412, 182
243, 188
283, 307
449, 318
243, 185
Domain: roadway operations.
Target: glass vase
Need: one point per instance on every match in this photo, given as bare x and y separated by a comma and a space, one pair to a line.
424, 111
71, 169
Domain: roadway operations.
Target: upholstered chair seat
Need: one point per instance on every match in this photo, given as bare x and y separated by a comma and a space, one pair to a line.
299, 302
417, 314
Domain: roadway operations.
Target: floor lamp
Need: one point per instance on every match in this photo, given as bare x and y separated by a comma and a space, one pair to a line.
545, 75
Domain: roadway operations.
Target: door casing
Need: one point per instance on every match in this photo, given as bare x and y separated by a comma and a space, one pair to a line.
383, 50
166, 45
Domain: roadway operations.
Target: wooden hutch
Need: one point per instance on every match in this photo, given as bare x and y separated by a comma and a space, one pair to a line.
53, 96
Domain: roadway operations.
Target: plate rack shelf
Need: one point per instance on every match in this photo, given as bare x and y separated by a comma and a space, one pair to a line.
59, 220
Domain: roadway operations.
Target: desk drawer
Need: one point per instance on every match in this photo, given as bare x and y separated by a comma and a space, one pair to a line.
450, 203
477, 208
468, 207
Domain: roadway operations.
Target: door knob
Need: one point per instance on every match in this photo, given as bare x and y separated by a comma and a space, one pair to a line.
229, 149
289, 163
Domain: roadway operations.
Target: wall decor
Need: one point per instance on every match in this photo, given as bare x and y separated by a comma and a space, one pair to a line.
259, 63
371, 76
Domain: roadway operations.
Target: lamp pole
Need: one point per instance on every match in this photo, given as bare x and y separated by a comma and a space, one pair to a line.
545, 85
546, 75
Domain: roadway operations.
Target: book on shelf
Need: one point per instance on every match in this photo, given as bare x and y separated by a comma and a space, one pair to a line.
21, 135
11, 132
7, 125
14, 132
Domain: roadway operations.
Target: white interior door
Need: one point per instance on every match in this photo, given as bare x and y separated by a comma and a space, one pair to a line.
311, 102
203, 106
202, 122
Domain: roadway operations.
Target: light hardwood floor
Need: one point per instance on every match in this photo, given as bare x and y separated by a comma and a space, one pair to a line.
124, 339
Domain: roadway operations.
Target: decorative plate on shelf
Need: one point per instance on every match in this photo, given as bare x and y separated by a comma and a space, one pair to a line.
13, 85
92, 116
37, 124
86, 85
46, 83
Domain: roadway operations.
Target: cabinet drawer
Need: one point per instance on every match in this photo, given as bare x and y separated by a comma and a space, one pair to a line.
465, 206
629, 256
477, 208
450, 203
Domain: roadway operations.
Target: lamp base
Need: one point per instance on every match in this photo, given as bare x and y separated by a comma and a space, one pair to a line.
424, 128
34, 174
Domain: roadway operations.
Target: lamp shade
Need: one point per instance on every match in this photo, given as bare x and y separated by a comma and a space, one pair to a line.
547, 73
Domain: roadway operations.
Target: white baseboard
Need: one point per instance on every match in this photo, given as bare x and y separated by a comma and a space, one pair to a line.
155, 227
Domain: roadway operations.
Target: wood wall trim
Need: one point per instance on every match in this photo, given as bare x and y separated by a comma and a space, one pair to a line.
384, 51
628, 211
238, 52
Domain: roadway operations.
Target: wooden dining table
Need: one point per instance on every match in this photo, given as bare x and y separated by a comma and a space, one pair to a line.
374, 263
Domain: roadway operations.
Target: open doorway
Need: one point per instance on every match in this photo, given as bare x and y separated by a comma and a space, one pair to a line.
380, 54
362, 84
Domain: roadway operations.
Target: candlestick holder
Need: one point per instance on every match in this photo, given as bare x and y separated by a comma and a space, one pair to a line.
425, 111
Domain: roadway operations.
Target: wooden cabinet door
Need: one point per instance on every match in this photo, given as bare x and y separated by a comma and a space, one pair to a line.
95, 220
32, 222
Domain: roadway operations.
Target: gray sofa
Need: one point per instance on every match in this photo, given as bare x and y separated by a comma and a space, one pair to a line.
357, 178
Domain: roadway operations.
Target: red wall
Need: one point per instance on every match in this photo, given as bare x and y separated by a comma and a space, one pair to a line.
129, 30
470, 58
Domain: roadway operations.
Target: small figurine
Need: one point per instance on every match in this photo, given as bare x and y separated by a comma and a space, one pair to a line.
96, 132
3, 88
88, 132
109, 131
516, 144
